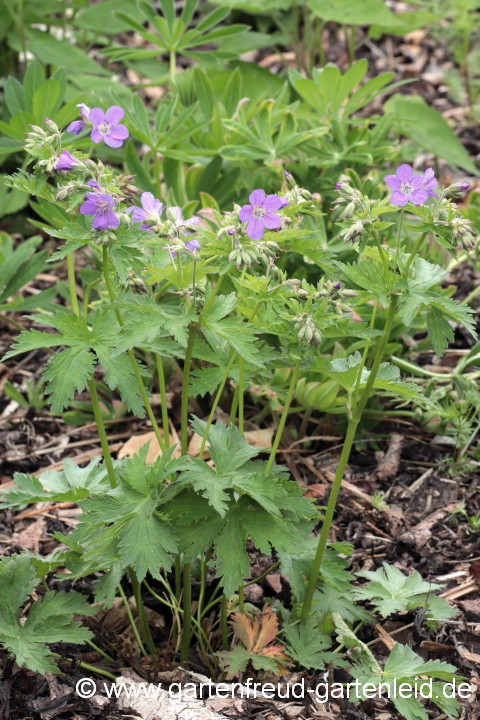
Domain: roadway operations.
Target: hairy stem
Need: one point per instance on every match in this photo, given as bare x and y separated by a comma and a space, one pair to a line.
132, 621
187, 611
137, 591
241, 393
163, 398
223, 622
283, 418
131, 354
91, 383
347, 447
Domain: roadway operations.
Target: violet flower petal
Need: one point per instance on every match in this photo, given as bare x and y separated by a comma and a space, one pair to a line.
246, 213
114, 114
255, 228
271, 221
257, 197
398, 198
272, 203
405, 172
96, 116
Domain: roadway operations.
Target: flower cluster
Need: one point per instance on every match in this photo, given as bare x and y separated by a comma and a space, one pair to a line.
106, 126
407, 187
307, 329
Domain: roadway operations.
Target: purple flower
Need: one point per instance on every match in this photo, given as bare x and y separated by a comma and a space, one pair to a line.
192, 245
429, 182
260, 214
84, 110
151, 210
407, 187
65, 161
175, 215
101, 206
106, 126
94, 184
76, 127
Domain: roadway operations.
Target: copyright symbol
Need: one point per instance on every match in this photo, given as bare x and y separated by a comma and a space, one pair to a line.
86, 688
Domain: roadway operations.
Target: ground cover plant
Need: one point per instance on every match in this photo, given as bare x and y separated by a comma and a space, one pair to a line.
247, 249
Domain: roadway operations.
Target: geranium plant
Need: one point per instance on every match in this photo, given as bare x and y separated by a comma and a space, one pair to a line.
208, 292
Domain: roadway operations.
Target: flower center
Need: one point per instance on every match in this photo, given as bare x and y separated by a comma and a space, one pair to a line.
258, 211
407, 188
105, 205
104, 128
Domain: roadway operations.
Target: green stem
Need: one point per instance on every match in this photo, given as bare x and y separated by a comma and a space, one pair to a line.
87, 295
223, 622
100, 651
305, 420
184, 407
415, 250
233, 409
98, 671
365, 355
269, 570
178, 578
132, 621
241, 393
400, 226
92, 386
347, 447
281, 424
187, 611
91, 383
137, 591
215, 402
71, 283
382, 256
351, 44
136, 369
241, 599
187, 567
163, 398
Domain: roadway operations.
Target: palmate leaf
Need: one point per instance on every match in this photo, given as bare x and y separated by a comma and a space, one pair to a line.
308, 645
145, 320
391, 591
72, 484
50, 619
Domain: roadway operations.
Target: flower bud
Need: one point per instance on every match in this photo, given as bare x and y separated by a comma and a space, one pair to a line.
348, 212
289, 178
51, 125
456, 190
337, 286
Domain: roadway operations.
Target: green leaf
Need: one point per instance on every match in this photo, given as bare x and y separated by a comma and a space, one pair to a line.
102, 15
67, 373
429, 130
233, 92
60, 53
119, 374
307, 645
390, 590
34, 77
45, 99
14, 98
349, 12
50, 619
440, 331
204, 92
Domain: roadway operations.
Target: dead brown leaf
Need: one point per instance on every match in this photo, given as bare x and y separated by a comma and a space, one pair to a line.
258, 635
133, 445
29, 538
316, 491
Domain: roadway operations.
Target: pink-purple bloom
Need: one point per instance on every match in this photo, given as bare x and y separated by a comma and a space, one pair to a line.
151, 211
107, 127
65, 161
429, 182
260, 214
192, 245
76, 127
84, 110
175, 215
407, 187
102, 207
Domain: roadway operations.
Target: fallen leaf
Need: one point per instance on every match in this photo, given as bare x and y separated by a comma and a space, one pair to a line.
316, 491
133, 445
29, 539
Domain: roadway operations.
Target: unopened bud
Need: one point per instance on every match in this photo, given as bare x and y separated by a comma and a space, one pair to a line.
337, 286
348, 212
456, 190
51, 125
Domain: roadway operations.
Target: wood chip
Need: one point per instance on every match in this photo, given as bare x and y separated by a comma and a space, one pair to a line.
390, 464
420, 534
29, 539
